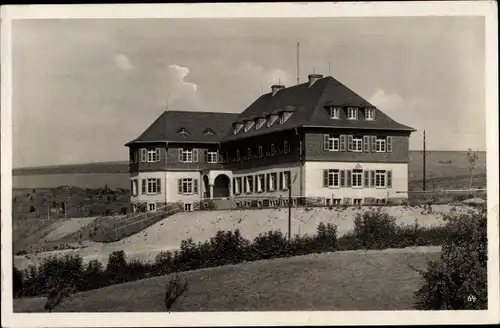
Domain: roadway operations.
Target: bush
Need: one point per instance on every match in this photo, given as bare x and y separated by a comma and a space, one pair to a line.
458, 280
17, 281
375, 230
174, 289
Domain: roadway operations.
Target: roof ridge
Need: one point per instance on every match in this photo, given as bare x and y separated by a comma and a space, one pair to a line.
199, 111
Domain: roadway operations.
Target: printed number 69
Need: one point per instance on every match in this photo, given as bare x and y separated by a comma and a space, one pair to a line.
471, 298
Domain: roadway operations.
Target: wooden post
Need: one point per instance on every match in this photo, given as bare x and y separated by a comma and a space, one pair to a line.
289, 210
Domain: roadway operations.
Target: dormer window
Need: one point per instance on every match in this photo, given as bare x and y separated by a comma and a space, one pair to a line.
334, 113
271, 120
260, 122
352, 113
208, 132
284, 116
183, 132
249, 125
237, 127
369, 114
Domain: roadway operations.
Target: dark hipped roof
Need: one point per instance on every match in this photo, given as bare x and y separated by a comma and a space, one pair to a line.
309, 106
166, 127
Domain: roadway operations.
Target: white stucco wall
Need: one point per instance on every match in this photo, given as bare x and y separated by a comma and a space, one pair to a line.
150, 198
313, 172
172, 186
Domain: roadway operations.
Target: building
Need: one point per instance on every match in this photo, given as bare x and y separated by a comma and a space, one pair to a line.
318, 138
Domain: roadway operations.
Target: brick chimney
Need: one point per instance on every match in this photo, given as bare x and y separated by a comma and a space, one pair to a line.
276, 87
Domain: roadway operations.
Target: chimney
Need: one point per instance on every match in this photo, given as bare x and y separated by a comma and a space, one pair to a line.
276, 87
314, 77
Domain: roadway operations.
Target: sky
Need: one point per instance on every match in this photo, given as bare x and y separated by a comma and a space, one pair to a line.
84, 88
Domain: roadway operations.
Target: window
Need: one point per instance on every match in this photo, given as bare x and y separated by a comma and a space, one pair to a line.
134, 188
249, 184
285, 116
272, 150
188, 186
357, 178
260, 123
260, 183
331, 178
211, 156
352, 113
153, 186
286, 148
380, 178
334, 113
369, 113
154, 155
249, 153
357, 144
337, 201
260, 151
271, 120
331, 143
188, 155
380, 145
273, 181
249, 125
237, 155
285, 180
237, 185
188, 207
357, 201
237, 127
152, 207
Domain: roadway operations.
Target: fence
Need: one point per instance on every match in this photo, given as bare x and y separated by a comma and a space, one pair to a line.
444, 196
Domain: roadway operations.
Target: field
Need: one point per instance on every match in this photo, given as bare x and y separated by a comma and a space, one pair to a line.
201, 226
451, 165
351, 280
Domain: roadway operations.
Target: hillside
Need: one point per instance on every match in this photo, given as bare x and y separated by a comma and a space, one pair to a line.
201, 226
352, 280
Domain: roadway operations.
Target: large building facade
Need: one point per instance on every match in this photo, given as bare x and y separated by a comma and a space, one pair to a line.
319, 139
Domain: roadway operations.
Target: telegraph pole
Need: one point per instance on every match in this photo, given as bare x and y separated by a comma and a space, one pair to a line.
289, 207
298, 74
423, 166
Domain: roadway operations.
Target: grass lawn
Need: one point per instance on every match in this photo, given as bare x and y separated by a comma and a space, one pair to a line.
351, 280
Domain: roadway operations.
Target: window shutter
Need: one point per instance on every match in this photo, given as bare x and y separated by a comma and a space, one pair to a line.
389, 144
205, 156
366, 144
144, 155
132, 187
195, 186
143, 186
349, 143
372, 174
179, 155
325, 178
158, 154
325, 141
342, 142
349, 176
342, 178
179, 186
158, 186
367, 179
280, 180
268, 180
374, 143
195, 155
234, 186
389, 179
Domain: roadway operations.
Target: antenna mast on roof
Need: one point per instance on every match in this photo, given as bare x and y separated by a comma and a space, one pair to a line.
298, 77
329, 74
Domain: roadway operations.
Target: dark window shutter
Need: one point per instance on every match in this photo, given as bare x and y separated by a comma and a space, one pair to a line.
158, 154
366, 144
367, 179
195, 155
325, 141
234, 186
325, 178
195, 186
374, 143
179, 155
342, 178
342, 142
205, 156
143, 186
349, 143
179, 186
158, 186
389, 144
389, 179
349, 175
132, 187
268, 180
372, 173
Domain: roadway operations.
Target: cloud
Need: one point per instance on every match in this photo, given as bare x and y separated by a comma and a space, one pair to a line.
182, 95
390, 102
122, 62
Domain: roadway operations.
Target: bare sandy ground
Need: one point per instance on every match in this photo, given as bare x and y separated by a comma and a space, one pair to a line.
201, 226
67, 227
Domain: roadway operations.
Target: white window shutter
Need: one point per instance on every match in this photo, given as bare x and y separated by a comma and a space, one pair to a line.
325, 178
179, 186
195, 186
366, 144
342, 142
349, 143
389, 179
374, 143
158, 186
157, 154
195, 155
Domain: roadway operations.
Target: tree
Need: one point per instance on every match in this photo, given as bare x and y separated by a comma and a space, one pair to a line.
472, 159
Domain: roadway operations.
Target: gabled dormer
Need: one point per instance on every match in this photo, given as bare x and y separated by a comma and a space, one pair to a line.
334, 112
369, 113
237, 126
271, 118
208, 132
285, 114
352, 113
183, 132
249, 124
259, 122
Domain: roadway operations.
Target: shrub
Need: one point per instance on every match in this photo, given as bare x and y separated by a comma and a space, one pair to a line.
269, 245
17, 281
458, 280
326, 237
174, 289
374, 229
